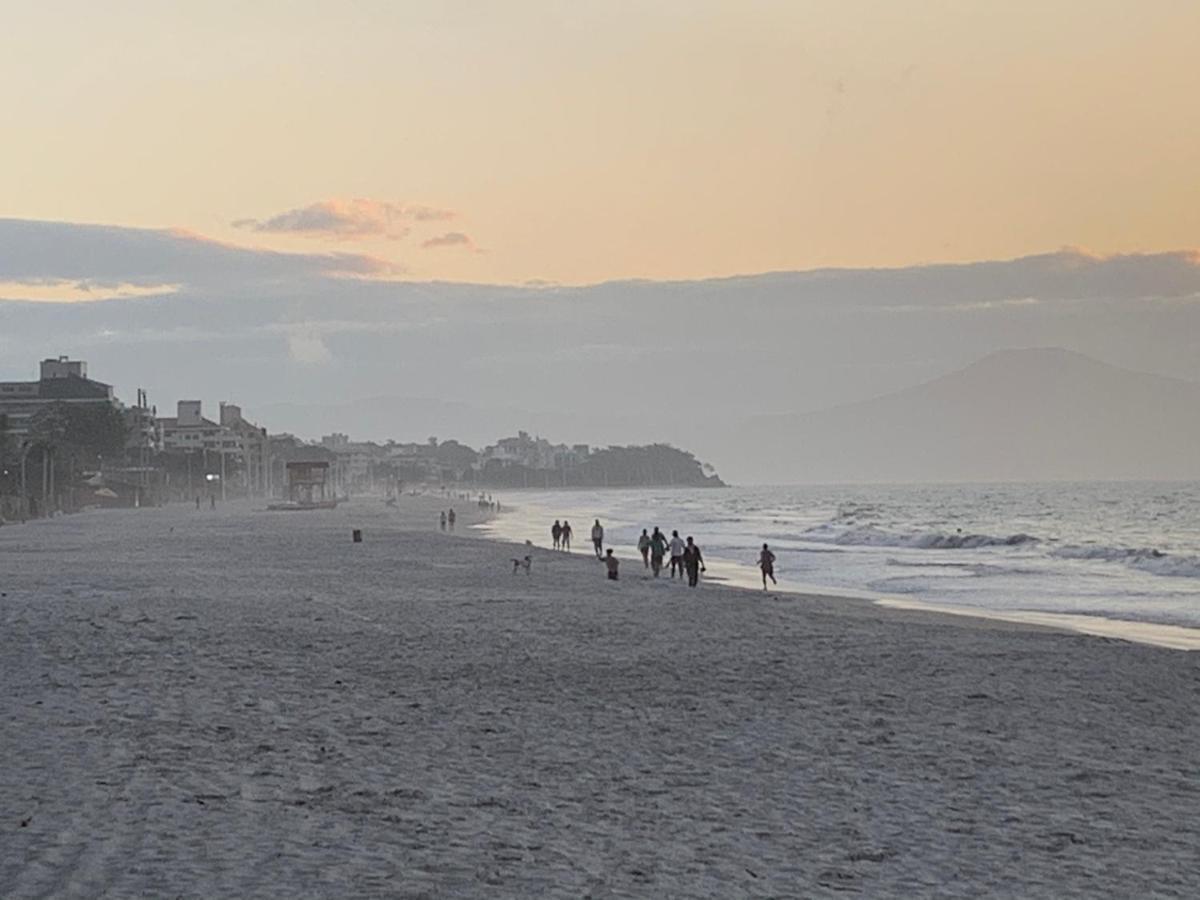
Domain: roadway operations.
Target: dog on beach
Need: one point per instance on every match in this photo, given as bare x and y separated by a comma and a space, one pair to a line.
524, 562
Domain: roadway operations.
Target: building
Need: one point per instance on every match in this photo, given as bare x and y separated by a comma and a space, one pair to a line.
355, 462
234, 446
255, 448
533, 453
62, 380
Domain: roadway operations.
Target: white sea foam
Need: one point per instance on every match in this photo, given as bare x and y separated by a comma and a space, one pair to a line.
1156, 562
872, 536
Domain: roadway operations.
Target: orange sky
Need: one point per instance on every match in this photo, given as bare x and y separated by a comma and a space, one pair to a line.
579, 142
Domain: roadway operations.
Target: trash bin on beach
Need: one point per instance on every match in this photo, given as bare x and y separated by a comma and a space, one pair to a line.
356, 535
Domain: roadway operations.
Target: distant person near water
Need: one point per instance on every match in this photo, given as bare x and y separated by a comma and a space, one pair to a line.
556, 533
766, 562
566, 535
677, 548
450, 518
443, 520
658, 549
598, 539
644, 548
613, 563
693, 561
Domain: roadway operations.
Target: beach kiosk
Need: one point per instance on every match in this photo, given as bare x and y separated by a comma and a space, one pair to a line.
308, 486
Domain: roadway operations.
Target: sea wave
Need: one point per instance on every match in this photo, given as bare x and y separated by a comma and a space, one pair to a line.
1145, 559
871, 536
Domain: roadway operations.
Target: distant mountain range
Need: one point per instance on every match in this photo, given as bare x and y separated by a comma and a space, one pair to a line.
1016, 415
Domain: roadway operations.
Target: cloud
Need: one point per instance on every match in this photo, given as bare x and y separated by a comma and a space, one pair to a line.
449, 239
109, 257
265, 327
352, 219
62, 290
308, 348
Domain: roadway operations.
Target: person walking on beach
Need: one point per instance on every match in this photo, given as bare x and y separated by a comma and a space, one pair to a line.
556, 533
644, 548
612, 562
658, 549
677, 548
443, 520
766, 562
566, 536
450, 518
693, 561
598, 539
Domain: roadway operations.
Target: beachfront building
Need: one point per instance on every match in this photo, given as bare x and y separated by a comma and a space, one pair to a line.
355, 462
232, 448
533, 453
255, 449
62, 380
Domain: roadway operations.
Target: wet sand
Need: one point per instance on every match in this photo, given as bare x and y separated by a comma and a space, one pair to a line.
245, 703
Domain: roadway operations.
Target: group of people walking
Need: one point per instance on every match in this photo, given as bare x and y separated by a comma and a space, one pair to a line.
685, 555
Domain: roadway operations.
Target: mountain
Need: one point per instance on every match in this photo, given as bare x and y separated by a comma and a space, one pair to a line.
1016, 415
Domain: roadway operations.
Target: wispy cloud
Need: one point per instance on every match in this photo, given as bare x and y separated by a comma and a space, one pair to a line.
59, 290
352, 219
450, 239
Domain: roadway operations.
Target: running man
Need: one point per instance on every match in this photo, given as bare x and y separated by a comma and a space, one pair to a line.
677, 548
766, 562
598, 539
693, 561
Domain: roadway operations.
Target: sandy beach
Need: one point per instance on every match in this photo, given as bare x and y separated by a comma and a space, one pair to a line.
237, 703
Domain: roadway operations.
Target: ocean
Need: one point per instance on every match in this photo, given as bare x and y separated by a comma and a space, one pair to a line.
1127, 551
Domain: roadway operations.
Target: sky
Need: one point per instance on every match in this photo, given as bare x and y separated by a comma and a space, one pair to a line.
605, 222
576, 143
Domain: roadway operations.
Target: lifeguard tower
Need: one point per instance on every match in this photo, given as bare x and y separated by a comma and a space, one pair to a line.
308, 486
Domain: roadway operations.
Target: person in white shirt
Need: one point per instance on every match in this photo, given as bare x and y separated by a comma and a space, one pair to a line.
677, 547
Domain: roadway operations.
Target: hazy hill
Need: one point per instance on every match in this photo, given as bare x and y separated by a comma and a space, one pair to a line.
1041, 414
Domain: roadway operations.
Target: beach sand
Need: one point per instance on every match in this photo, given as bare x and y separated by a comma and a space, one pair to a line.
246, 704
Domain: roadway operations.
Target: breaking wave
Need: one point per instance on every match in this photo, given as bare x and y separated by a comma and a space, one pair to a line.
871, 536
1146, 559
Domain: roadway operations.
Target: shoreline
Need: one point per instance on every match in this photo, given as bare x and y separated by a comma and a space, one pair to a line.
739, 576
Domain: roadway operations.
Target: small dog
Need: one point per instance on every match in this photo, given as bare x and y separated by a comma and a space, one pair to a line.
523, 562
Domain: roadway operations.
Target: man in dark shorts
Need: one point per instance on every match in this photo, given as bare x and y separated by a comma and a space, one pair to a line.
766, 562
677, 546
693, 561
556, 533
